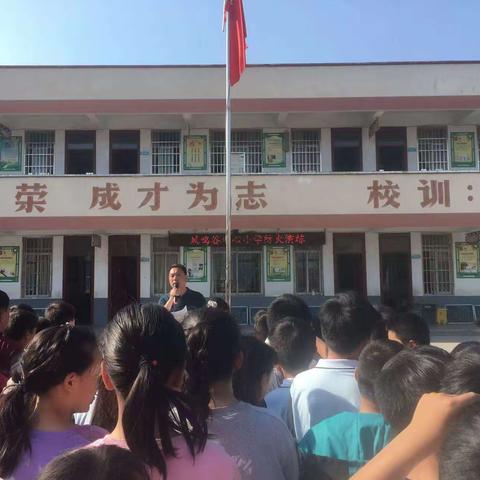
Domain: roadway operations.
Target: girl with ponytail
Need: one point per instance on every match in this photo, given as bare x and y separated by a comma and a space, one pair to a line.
144, 355
58, 377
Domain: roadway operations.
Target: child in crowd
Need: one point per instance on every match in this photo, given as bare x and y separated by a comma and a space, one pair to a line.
59, 372
410, 329
21, 327
294, 342
260, 443
465, 347
144, 355
356, 437
260, 326
462, 374
252, 380
103, 463
8, 348
346, 323
59, 313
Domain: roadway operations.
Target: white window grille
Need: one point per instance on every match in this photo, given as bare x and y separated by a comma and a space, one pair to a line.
432, 148
246, 271
39, 152
163, 256
437, 264
37, 267
306, 151
308, 271
243, 141
166, 151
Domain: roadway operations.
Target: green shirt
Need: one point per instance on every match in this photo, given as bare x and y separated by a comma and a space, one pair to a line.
352, 437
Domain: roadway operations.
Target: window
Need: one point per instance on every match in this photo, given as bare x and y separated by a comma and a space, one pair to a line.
350, 262
166, 151
392, 149
306, 151
246, 271
39, 152
308, 271
79, 152
37, 267
347, 150
124, 151
437, 264
248, 142
432, 148
162, 257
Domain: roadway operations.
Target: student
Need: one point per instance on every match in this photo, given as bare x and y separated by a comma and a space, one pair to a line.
465, 347
103, 463
356, 437
60, 369
294, 342
59, 313
462, 374
21, 327
410, 329
260, 443
260, 326
218, 302
347, 321
287, 305
8, 349
144, 355
252, 379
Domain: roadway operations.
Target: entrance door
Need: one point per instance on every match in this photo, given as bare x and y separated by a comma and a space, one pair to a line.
349, 258
124, 271
78, 276
395, 270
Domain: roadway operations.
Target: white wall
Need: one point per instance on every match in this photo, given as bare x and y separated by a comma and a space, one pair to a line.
145, 265
145, 151
57, 267
59, 152
417, 267
372, 259
328, 266
368, 152
326, 149
101, 269
412, 143
102, 152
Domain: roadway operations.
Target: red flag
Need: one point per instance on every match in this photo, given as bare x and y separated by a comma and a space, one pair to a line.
238, 35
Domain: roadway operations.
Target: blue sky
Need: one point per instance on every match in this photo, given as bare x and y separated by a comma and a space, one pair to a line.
97, 32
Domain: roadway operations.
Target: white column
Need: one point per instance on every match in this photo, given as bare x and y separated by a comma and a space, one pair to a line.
145, 151
412, 149
57, 267
101, 269
328, 266
368, 152
59, 153
372, 257
326, 149
417, 269
102, 152
145, 266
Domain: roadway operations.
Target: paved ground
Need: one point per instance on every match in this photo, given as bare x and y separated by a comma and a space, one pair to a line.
449, 336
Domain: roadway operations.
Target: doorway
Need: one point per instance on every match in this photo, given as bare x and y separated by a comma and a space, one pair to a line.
124, 151
124, 271
395, 270
78, 266
349, 260
392, 149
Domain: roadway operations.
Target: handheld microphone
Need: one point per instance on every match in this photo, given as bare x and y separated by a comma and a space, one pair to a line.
176, 285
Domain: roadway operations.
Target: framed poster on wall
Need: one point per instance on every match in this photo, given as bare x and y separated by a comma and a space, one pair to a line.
195, 152
195, 261
467, 259
278, 264
274, 150
462, 148
9, 258
10, 154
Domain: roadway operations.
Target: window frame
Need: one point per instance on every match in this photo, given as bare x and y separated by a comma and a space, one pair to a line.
174, 168
25, 254
438, 139
450, 267
110, 150
401, 139
308, 250
47, 144
69, 132
317, 141
350, 130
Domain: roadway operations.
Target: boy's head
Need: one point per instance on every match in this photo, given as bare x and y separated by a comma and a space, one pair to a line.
347, 321
294, 342
462, 374
410, 329
401, 383
370, 363
465, 347
260, 325
21, 327
287, 305
4, 314
59, 313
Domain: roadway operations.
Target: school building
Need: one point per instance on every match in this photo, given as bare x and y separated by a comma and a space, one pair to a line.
346, 176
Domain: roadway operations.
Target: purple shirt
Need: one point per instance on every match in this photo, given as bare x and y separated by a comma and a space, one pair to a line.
48, 445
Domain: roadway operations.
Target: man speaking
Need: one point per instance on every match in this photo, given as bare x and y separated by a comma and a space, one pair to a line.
180, 295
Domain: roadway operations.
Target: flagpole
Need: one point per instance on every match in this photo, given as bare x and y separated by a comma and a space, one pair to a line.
228, 200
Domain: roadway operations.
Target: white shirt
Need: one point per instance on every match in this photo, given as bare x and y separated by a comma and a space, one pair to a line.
279, 402
323, 391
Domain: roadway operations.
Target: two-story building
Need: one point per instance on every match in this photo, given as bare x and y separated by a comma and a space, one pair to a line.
348, 176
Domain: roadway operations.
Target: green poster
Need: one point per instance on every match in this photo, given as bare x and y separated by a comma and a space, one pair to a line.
462, 149
11, 154
278, 264
274, 150
9, 257
195, 261
468, 260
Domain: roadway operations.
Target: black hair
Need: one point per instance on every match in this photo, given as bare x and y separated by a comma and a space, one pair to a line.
4, 300
20, 323
433, 351
380, 331
218, 302
101, 463
51, 356
458, 458
465, 347
105, 411
59, 313
258, 361
347, 321
143, 347
287, 305
43, 324
401, 383
294, 342
183, 268
23, 306
410, 327
370, 363
214, 345
260, 326
462, 374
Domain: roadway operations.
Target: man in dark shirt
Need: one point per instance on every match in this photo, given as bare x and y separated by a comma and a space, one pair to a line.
180, 295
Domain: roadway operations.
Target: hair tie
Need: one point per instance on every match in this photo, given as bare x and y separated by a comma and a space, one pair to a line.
145, 362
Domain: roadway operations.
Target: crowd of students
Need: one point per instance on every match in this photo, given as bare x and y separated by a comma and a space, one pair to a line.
353, 392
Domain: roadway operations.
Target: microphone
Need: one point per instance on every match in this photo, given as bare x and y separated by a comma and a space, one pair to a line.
176, 285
